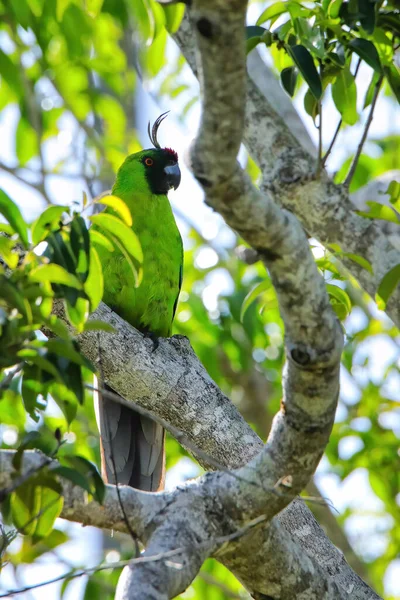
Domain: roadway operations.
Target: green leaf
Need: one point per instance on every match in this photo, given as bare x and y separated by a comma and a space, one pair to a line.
26, 141
379, 486
6, 252
36, 7
256, 291
125, 234
272, 12
73, 475
11, 212
154, 58
48, 220
380, 211
251, 43
118, 206
35, 505
387, 286
393, 77
173, 17
78, 312
28, 553
28, 441
66, 399
68, 349
101, 240
311, 105
93, 7
255, 35
10, 292
62, 6
90, 472
94, 285
305, 63
11, 74
334, 8
360, 260
30, 390
22, 13
57, 326
254, 31
96, 325
55, 274
25, 504
371, 89
393, 190
51, 504
344, 94
340, 300
32, 355
80, 245
288, 80
59, 252
366, 10
367, 51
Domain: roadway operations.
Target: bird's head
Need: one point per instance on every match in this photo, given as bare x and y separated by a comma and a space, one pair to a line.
156, 168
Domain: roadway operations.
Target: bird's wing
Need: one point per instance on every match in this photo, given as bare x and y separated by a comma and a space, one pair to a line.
179, 283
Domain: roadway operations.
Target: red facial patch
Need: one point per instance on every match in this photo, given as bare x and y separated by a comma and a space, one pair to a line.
172, 153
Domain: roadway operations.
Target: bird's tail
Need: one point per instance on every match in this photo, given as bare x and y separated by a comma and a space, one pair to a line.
132, 446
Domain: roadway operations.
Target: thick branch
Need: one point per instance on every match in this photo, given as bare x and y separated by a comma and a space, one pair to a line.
140, 506
253, 561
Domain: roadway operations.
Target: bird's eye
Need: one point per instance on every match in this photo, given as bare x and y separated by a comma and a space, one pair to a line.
148, 162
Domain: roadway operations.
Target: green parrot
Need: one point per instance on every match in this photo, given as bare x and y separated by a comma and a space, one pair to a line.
132, 446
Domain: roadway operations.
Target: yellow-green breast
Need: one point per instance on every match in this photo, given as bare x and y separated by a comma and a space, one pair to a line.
151, 306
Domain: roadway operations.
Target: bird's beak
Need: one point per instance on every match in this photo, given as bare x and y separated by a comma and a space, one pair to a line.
173, 176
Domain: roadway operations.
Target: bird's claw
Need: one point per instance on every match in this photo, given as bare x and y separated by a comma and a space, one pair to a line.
152, 336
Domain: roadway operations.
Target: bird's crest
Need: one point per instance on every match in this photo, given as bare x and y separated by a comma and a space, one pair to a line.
153, 135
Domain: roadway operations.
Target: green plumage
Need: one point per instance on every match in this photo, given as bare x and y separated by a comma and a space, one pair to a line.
151, 306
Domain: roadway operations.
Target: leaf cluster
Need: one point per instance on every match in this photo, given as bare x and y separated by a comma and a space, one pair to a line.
317, 41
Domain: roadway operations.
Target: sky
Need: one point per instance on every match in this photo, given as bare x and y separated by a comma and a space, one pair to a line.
355, 491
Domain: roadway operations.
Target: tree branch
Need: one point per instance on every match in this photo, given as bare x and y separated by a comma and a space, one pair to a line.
365, 133
207, 516
323, 208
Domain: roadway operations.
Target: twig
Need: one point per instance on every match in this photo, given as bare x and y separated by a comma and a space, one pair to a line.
365, 133
332, 143
319, 162
4, 383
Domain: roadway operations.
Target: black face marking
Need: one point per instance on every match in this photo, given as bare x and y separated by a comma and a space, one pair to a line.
155, 161
205, 28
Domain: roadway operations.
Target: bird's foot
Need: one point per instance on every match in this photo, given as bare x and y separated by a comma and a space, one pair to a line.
155, 339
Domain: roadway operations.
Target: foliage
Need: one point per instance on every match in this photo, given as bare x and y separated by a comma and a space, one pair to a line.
59, 263
70, 65
318, 41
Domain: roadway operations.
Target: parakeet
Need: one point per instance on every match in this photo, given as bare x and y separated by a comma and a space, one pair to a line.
135, 443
